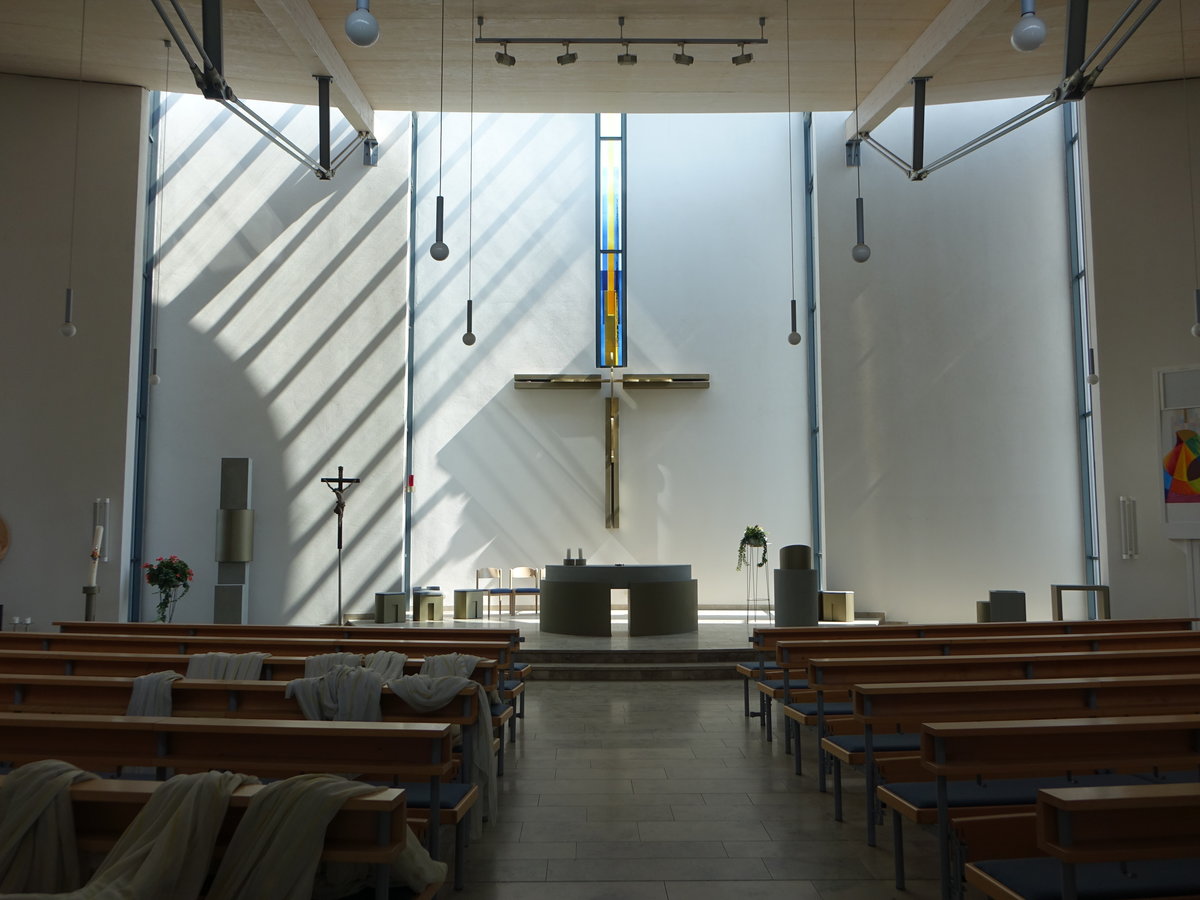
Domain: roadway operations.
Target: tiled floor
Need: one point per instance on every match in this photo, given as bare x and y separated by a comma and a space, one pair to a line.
664, 791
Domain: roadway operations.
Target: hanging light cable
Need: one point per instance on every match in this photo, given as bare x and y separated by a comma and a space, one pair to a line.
860, 252
439, 250
468, 337
67, 329
1187, 125
158, 212
794, 335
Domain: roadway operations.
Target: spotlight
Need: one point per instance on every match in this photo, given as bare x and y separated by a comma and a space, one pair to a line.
1030, 31
626, 58
503, 57
567, 57
743, 57
361, 26
682, 58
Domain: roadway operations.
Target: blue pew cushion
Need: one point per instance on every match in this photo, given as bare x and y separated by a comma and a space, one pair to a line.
417, 794
1187, 776
837, 708
857, 743
776, 684
998, 791
1040, 878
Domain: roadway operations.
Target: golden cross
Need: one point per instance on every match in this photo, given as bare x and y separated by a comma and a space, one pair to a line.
612, 496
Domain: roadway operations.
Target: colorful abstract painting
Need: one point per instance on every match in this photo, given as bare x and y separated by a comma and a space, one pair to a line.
1181, 468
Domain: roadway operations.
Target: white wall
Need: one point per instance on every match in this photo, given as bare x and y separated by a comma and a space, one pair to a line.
949, 434
65, 415
507, 478
282, 337
1143, 252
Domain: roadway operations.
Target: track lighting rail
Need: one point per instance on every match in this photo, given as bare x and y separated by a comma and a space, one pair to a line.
682, 58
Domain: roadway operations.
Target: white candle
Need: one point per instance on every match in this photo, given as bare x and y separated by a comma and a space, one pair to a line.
97, 538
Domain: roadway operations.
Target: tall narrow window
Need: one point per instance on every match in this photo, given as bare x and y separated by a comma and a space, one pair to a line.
610, 240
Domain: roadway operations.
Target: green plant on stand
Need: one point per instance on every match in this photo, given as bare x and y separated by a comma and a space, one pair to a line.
754, 537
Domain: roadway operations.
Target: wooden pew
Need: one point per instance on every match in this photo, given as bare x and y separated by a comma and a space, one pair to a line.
1080, 826
510, 684
903, 707
72, 695
370, 829
275, 668
792, 656
393, 751
970, 751
764, 640
166, 643
829, 677
430, 633
839, 674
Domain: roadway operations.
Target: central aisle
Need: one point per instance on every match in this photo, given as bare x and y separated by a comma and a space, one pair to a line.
664, 791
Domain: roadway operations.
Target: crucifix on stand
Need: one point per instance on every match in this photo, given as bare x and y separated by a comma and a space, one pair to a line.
339, 486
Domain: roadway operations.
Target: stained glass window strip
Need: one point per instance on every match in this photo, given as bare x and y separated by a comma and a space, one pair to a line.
610, 240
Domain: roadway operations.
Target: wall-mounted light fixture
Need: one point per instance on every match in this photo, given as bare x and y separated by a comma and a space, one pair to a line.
626, 57
566, 58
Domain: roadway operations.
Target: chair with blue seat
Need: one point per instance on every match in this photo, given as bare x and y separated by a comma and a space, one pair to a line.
525, 574
492, 580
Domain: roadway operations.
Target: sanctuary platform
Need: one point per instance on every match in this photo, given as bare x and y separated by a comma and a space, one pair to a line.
721, 639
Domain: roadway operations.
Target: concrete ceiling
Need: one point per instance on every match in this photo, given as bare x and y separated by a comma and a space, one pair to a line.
274, 47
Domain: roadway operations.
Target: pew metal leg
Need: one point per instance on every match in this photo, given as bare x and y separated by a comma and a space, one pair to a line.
898, 848
787, 732
500, 757
796, 756
746, 696
460, 851
869, 745
837, 790
768, 714
944, 836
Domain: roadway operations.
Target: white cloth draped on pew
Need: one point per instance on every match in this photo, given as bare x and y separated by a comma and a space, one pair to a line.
166, 850
344, 694
323, 663
151, 694
426, 693
226, 666
274, 853
37, 840
461, 664
388, 663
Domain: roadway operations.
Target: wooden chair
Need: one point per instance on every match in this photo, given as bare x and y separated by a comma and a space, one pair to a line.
492, 580
525, 573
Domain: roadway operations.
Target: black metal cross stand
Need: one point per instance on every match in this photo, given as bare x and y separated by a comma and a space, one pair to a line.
339, 486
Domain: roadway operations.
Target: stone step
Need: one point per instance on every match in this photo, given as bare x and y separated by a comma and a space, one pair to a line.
633, 665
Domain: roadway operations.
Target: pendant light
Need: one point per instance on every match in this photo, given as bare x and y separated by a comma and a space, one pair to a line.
68, 329
468, 337
860, 252
794, 334
439, 250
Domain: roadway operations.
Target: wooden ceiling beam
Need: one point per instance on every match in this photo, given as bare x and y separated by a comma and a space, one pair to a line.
947, 35
303, 33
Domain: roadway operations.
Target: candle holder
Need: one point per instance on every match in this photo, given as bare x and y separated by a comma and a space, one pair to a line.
89, 602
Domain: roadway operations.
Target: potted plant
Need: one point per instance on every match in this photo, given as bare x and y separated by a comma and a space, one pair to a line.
754, 537
170, 578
